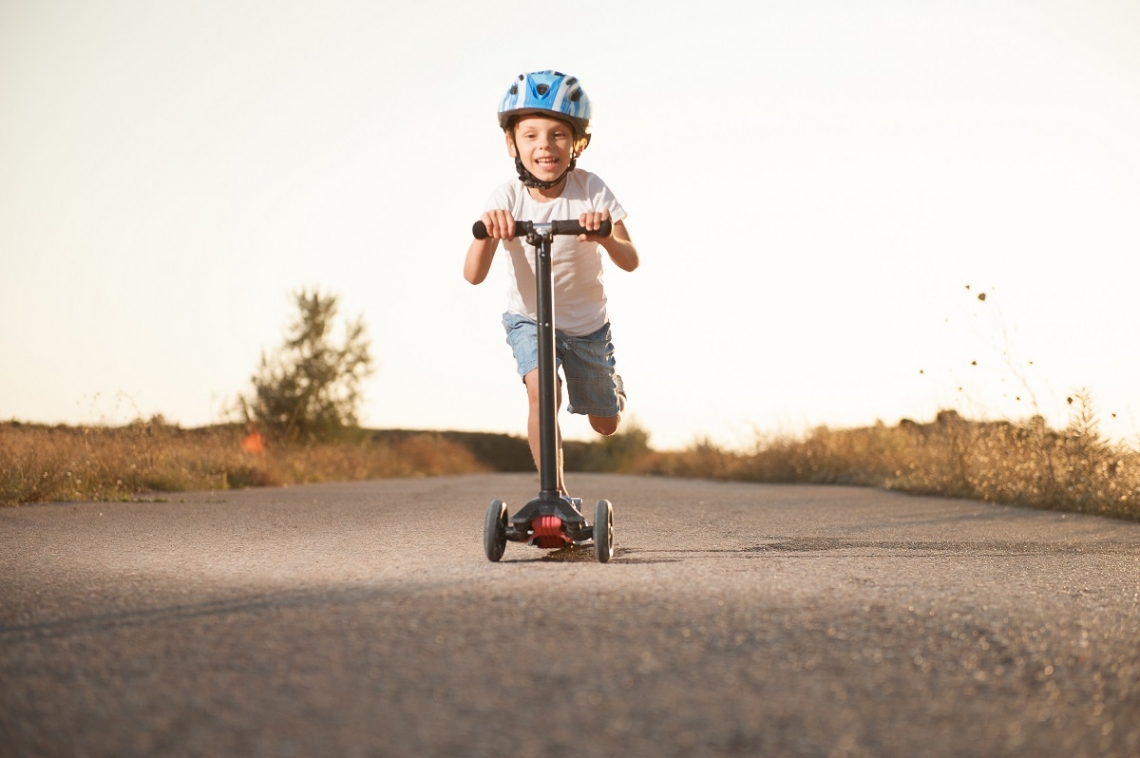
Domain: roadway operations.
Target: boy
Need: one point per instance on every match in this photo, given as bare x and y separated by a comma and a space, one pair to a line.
545, 116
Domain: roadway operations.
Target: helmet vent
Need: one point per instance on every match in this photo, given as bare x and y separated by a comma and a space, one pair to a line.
514, 89
574, 95
543, 89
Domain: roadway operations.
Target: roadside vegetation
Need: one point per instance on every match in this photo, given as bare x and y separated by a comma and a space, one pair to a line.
1024, 463
309, 389
150, 459
298, 425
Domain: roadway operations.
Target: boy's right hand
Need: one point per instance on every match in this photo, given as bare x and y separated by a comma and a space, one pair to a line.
500, 224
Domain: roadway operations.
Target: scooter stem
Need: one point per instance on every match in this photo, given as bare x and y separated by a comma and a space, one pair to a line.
547, 368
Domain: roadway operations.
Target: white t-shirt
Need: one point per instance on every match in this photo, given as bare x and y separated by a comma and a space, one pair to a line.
579, 294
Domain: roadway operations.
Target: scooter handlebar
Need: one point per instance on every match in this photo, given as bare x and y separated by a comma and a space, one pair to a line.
524, 228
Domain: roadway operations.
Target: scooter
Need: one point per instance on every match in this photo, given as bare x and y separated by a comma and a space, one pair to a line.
549, 521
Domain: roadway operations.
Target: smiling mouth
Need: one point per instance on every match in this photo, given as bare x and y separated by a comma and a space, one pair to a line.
546, 163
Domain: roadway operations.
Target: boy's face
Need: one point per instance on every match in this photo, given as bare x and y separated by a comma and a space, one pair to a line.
544, 145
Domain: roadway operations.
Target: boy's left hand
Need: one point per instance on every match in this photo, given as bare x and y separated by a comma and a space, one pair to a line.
593, 221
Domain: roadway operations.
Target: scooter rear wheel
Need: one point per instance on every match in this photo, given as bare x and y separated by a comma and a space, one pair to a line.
604, 531
495, 531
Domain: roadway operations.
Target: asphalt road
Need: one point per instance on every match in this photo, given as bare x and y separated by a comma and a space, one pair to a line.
364, 620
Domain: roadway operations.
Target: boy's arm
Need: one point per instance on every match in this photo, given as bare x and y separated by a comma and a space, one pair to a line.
479, 257
500, 225
618, 244
620, 247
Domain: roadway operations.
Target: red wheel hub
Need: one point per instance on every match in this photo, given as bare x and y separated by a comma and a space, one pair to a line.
548, 532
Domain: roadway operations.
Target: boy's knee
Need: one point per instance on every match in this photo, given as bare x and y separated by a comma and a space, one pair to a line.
533, 390
605, 425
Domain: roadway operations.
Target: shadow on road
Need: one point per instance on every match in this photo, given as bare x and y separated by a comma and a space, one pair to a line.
180, 612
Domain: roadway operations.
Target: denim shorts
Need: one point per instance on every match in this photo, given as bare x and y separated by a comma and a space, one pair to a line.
587, 362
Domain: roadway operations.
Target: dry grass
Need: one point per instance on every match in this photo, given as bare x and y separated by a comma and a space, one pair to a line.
1003, 462
39, 463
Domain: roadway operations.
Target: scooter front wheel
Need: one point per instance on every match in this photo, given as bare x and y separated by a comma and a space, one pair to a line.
604, 531
495, 531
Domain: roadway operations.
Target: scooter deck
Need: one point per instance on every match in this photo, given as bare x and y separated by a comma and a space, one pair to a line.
546, 519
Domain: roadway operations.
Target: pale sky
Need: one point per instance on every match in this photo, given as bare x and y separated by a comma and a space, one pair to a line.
811, 186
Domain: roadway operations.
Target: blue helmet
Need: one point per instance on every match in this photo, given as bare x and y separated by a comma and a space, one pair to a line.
547, 92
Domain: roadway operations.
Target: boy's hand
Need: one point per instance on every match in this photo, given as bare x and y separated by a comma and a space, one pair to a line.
500, 224
592, 221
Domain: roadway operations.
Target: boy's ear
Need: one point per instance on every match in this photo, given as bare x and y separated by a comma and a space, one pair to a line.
582, 143
511, 151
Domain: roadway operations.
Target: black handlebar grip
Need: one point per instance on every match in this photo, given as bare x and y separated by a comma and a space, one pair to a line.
574, 228
523, 228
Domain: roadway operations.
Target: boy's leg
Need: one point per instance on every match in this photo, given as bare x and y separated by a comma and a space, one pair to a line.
608, 425
522, 336
595, 388
532, 426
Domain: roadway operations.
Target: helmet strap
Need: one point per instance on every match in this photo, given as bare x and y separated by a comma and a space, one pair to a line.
530, 180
